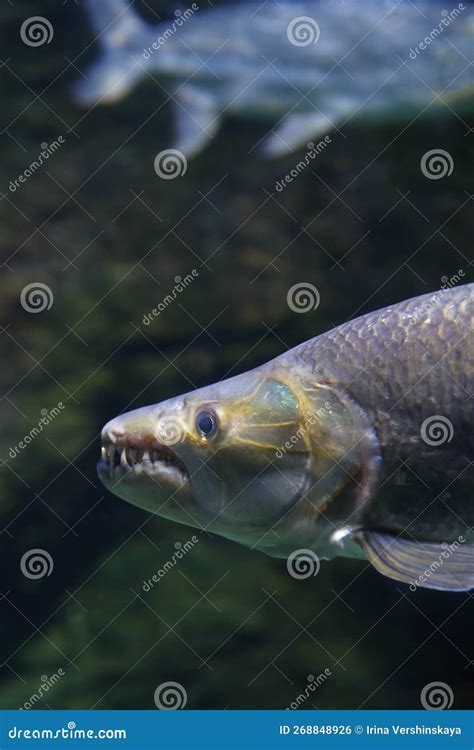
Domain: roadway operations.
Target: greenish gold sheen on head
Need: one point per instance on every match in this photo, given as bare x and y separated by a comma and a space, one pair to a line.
255, 458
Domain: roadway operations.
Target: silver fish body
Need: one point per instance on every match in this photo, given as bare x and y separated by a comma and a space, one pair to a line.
410, 367
358, 443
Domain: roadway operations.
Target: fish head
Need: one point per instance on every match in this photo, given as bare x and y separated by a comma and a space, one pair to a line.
214, 457
238, 458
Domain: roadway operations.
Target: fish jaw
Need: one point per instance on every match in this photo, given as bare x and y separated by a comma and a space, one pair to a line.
138, 465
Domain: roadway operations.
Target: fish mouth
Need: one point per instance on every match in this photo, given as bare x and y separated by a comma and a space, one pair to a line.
128, 459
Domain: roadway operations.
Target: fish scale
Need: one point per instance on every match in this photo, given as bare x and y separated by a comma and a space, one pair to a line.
401, 364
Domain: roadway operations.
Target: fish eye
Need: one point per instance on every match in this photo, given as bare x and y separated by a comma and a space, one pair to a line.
207, 424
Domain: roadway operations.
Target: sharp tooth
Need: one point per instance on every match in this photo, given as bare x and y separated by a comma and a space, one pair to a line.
123, 457
111, 459
146, 456
103, 453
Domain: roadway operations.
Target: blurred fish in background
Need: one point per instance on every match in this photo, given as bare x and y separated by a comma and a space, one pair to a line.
305, 66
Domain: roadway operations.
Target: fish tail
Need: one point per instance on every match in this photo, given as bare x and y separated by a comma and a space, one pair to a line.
122, 36
115, 22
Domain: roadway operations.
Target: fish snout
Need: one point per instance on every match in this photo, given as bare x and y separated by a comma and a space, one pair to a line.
134, 426
131, 444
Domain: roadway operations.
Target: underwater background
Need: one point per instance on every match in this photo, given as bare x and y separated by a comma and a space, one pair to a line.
111, 240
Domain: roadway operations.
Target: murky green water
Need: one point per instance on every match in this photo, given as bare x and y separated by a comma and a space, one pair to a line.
109, 238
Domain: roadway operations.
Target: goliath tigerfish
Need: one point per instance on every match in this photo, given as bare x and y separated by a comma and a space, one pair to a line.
307, 66
356, 443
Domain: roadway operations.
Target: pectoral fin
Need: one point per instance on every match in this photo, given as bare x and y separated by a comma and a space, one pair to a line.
294, 132
300, 127
197, 120
447, 567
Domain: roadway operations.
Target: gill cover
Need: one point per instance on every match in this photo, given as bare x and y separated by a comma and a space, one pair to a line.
284, 450
257, 464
